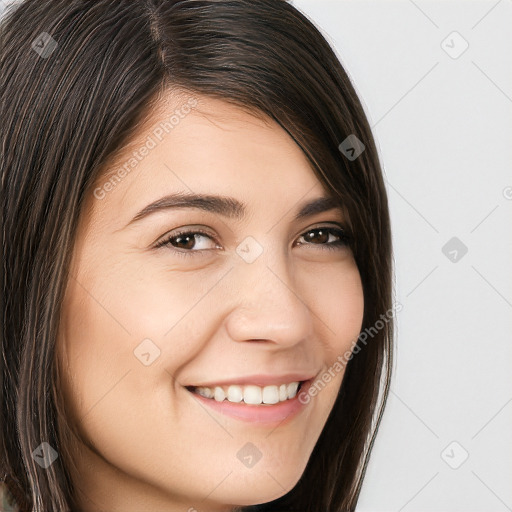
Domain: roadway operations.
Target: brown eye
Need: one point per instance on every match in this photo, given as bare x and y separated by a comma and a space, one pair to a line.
330, 238
189, 241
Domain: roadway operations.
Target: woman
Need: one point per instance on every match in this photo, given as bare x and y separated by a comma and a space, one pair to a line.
197, 242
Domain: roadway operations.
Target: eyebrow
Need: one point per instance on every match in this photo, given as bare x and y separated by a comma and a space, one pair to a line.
226, 206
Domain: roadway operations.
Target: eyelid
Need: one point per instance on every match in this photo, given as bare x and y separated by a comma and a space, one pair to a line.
326, 224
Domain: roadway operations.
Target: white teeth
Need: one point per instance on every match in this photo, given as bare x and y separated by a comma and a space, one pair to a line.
292, 389
250, 394
235, 394
219, 394
270, 395
206, 392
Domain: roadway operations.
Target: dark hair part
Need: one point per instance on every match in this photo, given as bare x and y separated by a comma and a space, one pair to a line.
65, 114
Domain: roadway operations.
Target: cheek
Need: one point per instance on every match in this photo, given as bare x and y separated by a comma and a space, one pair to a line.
339, 302
108, 314
93, 345
154, 300
107, 389
338, 299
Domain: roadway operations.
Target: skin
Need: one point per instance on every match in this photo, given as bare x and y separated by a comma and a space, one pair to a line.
146, 443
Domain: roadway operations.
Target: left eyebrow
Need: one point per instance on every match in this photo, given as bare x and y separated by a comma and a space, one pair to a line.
226, 206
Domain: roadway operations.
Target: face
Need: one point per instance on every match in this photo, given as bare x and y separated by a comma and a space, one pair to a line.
201, 286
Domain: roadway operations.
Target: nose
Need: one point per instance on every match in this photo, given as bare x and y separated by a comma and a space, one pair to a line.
268, 307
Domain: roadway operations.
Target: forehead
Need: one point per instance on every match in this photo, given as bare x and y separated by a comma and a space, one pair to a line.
179, 121
195, 143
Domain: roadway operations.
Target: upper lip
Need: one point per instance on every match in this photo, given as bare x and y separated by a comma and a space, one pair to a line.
259, 380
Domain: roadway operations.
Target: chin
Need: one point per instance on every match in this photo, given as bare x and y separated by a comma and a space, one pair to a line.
259, 488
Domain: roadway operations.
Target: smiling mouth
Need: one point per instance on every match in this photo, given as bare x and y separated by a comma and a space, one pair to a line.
249, 394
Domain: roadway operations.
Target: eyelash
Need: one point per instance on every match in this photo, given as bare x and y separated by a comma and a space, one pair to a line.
344, 240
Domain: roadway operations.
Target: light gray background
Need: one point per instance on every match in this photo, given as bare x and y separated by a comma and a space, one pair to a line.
443, 126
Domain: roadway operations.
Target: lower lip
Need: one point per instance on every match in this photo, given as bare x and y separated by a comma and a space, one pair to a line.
280, 413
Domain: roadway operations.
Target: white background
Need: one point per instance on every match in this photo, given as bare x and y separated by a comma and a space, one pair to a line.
443, 127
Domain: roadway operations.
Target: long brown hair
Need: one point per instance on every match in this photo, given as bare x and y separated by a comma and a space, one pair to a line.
70, 100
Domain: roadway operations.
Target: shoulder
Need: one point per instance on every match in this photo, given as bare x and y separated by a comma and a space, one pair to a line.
6, 500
